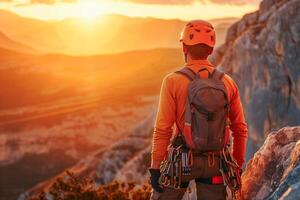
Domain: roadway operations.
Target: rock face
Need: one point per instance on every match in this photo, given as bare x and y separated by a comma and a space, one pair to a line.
274, 171
262, 54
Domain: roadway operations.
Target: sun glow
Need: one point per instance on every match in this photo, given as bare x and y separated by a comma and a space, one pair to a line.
88, 10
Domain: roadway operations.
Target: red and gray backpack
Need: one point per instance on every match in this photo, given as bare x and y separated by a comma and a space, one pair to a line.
206, 125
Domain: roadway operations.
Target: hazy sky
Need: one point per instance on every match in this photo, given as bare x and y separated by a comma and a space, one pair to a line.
89, 9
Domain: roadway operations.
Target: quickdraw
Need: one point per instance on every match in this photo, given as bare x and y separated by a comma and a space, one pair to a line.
230, 172
178, 163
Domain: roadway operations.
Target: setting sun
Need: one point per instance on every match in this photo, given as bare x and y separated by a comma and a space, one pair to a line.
88, 9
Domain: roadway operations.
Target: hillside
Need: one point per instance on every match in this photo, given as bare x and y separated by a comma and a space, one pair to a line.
104, 165
106, 34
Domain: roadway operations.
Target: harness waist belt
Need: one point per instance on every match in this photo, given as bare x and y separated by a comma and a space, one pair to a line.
215, 180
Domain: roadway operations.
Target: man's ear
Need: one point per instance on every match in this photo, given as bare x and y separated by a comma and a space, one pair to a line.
184, 48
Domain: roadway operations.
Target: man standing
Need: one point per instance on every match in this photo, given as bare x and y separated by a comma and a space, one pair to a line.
198, 40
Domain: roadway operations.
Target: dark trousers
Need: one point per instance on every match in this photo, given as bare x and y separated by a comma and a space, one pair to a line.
200, 169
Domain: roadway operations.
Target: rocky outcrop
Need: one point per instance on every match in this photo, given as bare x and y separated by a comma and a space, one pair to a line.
262, 54
274, 171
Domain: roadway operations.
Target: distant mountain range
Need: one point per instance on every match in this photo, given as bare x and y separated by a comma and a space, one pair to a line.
9, 44
106, 34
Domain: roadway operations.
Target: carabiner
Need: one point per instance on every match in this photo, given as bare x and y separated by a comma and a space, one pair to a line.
211, 159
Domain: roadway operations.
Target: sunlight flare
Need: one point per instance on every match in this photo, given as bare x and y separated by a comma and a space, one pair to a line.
88, 10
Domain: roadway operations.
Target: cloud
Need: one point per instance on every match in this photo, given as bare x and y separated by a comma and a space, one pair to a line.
168, 2
187, 2
40, 1
236, 2
161, 2
51, 1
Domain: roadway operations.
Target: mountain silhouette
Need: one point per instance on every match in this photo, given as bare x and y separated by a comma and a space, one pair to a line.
105, 34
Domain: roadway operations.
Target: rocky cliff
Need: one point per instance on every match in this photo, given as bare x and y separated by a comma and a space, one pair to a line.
274, 171
262, 54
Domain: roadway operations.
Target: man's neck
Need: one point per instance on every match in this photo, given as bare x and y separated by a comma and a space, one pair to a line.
201, 62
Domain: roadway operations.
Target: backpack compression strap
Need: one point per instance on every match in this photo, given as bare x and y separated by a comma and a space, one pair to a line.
190, 74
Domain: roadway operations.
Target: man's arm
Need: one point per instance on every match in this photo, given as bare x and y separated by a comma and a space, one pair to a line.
238, 127
163, 127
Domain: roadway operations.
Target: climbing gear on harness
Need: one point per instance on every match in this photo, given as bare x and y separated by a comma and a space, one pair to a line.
230, 172
178, 163
187, 161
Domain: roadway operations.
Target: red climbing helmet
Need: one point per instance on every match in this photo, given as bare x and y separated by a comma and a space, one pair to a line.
197, 32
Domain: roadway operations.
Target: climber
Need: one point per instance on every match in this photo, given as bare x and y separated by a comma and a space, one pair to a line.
177, 111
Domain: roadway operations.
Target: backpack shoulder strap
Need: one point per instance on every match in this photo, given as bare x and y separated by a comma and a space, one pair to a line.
217, 75
187, 72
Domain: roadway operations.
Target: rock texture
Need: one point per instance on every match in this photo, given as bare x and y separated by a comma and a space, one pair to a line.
274, 171
262, 54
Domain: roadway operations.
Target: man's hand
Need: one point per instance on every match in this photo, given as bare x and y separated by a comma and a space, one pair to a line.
155, 174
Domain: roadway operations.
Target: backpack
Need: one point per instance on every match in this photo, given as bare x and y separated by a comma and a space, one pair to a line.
206, 125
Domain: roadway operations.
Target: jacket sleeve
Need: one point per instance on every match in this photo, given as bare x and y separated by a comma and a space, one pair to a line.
238, 127
163, 127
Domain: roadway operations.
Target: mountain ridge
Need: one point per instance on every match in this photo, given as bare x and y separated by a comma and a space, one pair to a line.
128, 33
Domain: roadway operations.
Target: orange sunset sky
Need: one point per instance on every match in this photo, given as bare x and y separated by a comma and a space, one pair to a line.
89, 9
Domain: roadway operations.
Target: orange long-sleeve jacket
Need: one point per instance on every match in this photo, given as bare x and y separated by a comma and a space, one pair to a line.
172, 107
